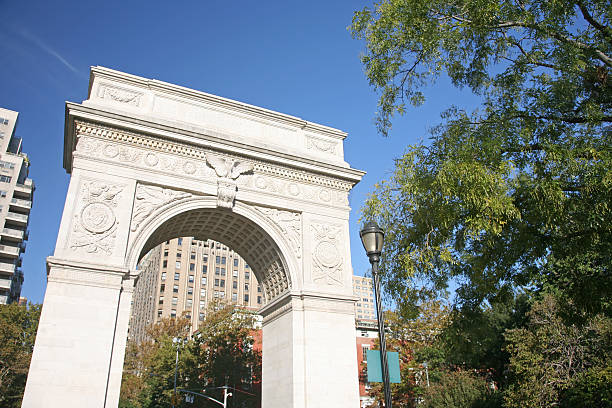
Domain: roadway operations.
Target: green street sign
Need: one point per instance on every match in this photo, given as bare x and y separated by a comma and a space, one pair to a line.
375, 368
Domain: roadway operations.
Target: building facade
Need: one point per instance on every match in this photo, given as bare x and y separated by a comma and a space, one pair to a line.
183, 276
363, 289
16, 192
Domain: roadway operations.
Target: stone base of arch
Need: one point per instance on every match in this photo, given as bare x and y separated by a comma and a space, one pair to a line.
308, 344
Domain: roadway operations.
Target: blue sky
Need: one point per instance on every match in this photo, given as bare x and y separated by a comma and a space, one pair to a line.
293, 57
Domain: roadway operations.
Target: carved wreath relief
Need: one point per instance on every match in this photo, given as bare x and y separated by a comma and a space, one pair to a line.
150, 198
228, 171
326, 257
95, 224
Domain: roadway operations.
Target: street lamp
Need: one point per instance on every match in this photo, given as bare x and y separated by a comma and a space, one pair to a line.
176, 341
372, 237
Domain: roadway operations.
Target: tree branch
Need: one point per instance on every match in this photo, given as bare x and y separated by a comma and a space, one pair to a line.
607, 33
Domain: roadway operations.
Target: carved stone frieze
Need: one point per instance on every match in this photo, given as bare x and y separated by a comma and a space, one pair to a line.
151, 154
290, 225
327, 260
228, 170
149, 199
95, 222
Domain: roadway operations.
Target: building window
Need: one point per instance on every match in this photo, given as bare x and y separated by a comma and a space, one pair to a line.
179, 255
189, 303
177, 275
201, 317
204, 269
235, 274
190, 290
174, 300
246, 266
159, 312
192, 267
259, 300
191, 278
247, 275
203, 281
235, 285
246, 298
221, 294
223, 260
180, 241
173, 313
246, 287
205, 258
217, 271
163, 276
235, 261
166, 252
162, 287
364, 352
193, 255
203, 292
258, 288
175, 289
234, 297
161, 300
218, 259
222, 283
178, 264
165, 263
216, 282
222, 271
5, 179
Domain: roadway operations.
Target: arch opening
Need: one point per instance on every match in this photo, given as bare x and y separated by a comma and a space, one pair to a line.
236, 231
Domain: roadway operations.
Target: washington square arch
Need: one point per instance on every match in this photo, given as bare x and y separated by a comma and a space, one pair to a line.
150, 161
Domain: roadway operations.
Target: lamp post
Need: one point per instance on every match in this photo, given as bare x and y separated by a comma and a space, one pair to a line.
372, 237
177, 341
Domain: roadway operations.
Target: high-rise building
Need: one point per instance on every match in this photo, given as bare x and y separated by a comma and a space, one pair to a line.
364, 308
185, 277
16, 191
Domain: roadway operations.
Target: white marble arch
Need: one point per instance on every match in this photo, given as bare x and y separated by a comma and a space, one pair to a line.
151, 161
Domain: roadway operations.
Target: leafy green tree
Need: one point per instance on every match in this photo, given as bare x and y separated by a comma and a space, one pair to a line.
148, 373
552, 362
227, 356
18, 326
220, 353
474, 339
518, 192
460, 389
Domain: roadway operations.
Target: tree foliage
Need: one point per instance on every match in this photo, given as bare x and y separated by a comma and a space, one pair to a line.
553, 362
219, 354
18, 326
517, 193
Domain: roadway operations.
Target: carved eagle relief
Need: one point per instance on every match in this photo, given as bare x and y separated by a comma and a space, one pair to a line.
228, 168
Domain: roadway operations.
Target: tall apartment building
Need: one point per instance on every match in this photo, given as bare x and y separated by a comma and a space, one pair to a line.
188, 275
16, 191
182, 276
363, 289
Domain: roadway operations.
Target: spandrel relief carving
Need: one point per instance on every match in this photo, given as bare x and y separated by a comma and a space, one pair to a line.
290, 225
95, 223
149, 199
327, 259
